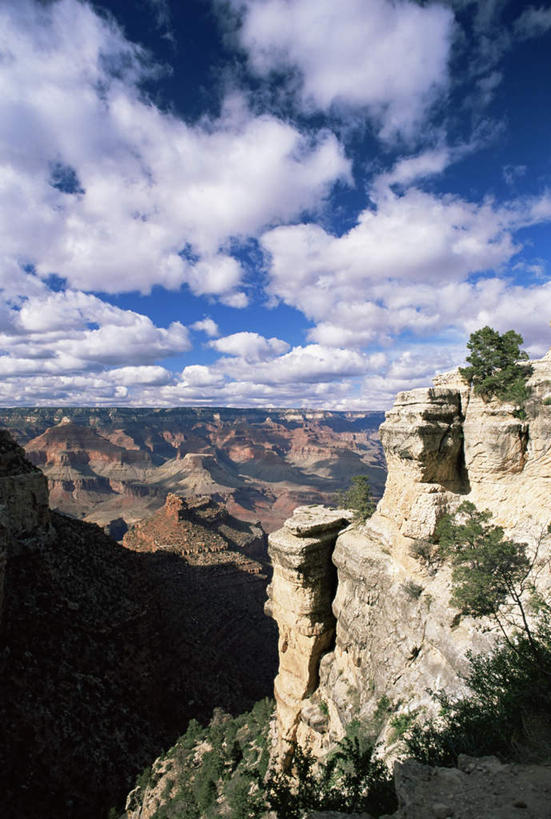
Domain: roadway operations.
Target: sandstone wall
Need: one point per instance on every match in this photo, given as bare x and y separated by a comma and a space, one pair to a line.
394, 633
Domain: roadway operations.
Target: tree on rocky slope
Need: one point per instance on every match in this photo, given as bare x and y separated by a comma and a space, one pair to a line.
358, 498
496, 367
491, 575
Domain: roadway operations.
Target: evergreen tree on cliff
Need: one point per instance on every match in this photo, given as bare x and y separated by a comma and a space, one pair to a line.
495, 365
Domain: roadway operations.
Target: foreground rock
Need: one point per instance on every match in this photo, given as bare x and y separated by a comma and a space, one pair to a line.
299, 600
372, 642
478, 787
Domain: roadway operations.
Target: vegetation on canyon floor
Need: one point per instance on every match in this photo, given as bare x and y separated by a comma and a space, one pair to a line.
223, 770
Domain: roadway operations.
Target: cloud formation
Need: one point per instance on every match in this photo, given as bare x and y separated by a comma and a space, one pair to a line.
113, 194
408, 264
103, 191
388, 58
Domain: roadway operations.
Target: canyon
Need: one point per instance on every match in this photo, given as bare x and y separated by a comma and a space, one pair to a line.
365, 622
367, 629
115, 466
107, 651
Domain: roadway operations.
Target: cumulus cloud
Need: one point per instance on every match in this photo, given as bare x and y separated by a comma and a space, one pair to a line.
250, 346
207, 326
387, 58
407, 264
113, 194
72, 332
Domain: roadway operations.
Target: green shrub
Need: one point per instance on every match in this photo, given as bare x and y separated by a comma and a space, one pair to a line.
358, 498
492, 575
401, 724
507, 713
352, 779
494, 366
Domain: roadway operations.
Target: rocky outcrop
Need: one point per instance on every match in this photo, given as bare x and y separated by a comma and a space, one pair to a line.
299, 599
396, 635
194, 527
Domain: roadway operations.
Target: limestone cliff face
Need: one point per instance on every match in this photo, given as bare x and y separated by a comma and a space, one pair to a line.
394, 633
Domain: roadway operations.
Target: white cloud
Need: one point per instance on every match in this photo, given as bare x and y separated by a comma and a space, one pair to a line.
72, 332
412, 168
389, 58
197, 375
533, 22
250, 346
301, 365
128, 376
407, 265
113, 194
207, 326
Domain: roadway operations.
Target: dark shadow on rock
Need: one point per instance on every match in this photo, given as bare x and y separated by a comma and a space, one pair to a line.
105, 655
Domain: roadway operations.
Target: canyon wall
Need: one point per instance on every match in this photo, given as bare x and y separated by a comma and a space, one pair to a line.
107, 652
370, 642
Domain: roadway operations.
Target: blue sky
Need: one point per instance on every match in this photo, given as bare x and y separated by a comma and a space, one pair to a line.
267, 202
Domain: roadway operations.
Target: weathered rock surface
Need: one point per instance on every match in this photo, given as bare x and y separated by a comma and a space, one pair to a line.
478, 787
106, 463
394, 633
299, 600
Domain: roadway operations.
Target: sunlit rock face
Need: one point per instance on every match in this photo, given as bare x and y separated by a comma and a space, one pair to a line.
394, 634
299, 599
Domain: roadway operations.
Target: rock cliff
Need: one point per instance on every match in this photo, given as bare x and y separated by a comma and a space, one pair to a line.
369, 642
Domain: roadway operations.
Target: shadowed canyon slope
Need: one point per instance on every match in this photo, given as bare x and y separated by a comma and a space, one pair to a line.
108, 463
106, 652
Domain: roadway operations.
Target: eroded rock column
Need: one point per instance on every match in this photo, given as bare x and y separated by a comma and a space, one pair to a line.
299, 599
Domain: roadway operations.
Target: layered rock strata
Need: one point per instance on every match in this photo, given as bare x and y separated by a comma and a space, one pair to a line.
103, 464
396, 635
